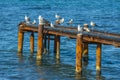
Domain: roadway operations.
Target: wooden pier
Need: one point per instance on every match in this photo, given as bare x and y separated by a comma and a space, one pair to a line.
83, 39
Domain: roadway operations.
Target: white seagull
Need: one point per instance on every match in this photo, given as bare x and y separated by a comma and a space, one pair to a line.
62, 20
40, 18
79, 28
71, 21
51, 24
34, 22
27, 19
92, 24
86, 28
57, 16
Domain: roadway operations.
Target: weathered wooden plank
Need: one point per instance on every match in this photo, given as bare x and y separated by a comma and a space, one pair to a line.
92, 31
106, 33
90, 37
70, 28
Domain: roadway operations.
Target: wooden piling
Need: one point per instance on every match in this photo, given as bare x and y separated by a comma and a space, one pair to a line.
98, 58
48, 42
57, 47
20, 41
32, 43
55, 42
40, 42
57, 22
45, 41
79, 50
85, 52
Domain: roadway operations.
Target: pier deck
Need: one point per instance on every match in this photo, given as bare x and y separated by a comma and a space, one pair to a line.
83, 39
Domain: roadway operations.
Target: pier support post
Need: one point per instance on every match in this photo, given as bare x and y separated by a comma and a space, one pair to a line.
85, 52
32, 43
57, 47
79, 50
45, 40
20, 41
55, 42
48, 42
57, 22
40, 42
98, 58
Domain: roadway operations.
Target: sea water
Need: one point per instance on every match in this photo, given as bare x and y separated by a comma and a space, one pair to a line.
105, 13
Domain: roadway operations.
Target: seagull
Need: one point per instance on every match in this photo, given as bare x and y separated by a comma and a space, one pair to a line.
34, 22
57, 16
92, 24
40, 18
62, 20
71, 21
86, 28
27, 19
57, 21
51, 24
79, 28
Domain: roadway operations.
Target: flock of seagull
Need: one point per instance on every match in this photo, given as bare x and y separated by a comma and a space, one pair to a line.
60, 20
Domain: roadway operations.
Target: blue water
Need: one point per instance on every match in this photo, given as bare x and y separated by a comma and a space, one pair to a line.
106, 13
